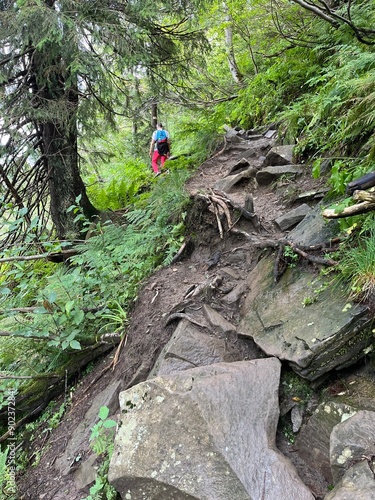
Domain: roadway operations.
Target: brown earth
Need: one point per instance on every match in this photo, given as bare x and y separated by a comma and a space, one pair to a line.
160, 295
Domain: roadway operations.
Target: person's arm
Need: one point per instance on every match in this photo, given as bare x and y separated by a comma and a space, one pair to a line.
152, 146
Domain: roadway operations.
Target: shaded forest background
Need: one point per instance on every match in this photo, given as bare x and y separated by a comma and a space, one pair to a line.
82, 85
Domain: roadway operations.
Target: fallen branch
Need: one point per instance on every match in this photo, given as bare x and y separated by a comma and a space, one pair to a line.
31, 309
278, 269
219, 225
4, 333
312, 258
259, 243
359, 208
179, 253
54, 256
28, 377
32, 400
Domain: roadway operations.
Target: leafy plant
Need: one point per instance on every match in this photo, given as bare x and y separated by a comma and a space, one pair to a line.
101, 442
290, 256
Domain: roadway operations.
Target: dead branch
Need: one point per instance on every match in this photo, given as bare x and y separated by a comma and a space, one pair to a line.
259, 243
29, 377
222, 203
179, 253
278, 268
312, 258
19, 335
31, 403
245, 213
359, 208
219, 225
254, 240
54, 256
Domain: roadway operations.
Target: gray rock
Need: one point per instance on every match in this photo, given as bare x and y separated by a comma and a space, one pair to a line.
217, 322
236, 295
313, 440
293, 217
239, 166
255, 137
249, 153
232, 136
325, 335
350, 441
190, 347
357, 484
270, 133
279, 155
227, 183
314, 230
206, 433
296, 416
271, 174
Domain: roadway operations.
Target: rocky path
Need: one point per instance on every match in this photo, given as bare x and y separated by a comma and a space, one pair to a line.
216, 393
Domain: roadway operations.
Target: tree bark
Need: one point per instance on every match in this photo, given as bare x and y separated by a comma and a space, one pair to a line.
233, 67
64, 180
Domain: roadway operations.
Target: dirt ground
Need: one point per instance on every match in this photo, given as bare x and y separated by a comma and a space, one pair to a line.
160, 295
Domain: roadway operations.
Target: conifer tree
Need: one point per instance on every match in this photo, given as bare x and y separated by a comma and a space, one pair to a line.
62, 62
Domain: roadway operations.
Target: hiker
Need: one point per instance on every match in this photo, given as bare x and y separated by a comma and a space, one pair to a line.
160, 148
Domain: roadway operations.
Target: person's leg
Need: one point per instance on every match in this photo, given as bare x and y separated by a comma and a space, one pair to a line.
162, 161
154, 162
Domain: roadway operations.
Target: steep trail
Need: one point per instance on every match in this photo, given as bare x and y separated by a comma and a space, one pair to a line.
65, 469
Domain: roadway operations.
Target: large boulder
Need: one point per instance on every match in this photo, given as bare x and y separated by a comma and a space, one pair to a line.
325, 335
205, 433
227, 183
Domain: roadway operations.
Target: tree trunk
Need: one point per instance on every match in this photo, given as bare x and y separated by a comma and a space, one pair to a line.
154, 115
59, 139
65, 182
233, 68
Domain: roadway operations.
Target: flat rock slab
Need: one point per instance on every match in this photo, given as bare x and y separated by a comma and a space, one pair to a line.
314, 230
325, 335
271, 174
352, 440
358, 483
205, 433
227, 183
190, 347
295, 216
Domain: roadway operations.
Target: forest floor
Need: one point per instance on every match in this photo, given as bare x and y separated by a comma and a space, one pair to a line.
159, 295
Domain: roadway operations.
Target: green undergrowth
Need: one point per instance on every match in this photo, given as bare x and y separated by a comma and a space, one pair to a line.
57, 313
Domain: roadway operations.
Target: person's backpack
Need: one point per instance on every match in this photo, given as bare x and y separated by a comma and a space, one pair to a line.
162, 143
